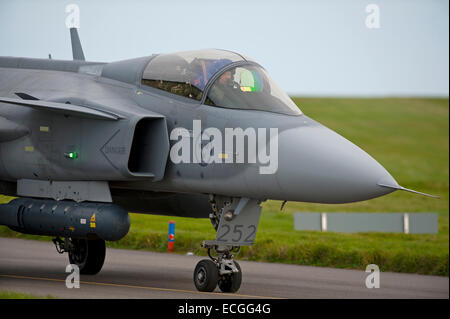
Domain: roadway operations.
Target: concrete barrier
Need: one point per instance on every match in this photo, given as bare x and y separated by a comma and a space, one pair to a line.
408, 223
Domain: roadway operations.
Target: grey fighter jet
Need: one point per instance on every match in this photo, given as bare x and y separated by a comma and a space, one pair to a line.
203, 134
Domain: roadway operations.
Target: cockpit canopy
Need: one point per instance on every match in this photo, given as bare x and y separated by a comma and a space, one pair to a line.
243, 85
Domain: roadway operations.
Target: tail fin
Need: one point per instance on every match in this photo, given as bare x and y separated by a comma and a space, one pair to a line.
77, 50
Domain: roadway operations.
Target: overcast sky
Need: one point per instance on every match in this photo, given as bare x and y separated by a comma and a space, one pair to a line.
309, 47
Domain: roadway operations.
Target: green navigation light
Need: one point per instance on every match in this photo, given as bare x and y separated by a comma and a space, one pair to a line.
72, 155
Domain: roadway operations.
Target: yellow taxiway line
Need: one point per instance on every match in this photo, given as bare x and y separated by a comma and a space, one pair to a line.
132, 286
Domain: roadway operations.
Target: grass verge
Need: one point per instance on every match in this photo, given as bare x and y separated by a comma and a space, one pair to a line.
5, 294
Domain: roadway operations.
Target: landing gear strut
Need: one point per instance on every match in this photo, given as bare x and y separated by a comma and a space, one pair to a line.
236, 221
87, 254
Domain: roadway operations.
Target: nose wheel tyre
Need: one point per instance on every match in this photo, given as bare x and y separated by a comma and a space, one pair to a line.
231, 282
88, 255
206, 275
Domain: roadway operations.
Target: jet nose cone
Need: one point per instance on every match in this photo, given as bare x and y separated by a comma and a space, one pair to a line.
318, 165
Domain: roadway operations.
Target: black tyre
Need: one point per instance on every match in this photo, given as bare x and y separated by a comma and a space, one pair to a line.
231, 282
88, 255
206, 275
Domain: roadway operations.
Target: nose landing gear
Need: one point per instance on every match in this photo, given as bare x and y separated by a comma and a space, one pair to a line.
221, 271
236, 221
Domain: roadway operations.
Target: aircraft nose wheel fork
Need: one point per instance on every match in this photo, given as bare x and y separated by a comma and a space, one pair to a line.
231, 282
222, 271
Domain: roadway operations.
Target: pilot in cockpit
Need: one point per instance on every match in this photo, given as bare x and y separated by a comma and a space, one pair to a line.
222, 90
204, 69
226, 78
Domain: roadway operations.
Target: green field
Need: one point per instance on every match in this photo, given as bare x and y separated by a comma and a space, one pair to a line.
408, 136
5, 294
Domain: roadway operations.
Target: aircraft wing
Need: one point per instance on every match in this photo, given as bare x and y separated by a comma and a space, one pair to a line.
68, 109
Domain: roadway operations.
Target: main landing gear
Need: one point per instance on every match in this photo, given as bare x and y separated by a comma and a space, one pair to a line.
235, 221
87, 254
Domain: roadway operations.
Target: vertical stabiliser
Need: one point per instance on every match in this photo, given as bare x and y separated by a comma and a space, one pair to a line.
77, 50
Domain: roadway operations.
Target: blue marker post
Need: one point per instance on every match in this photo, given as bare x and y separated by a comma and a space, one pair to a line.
171, 241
